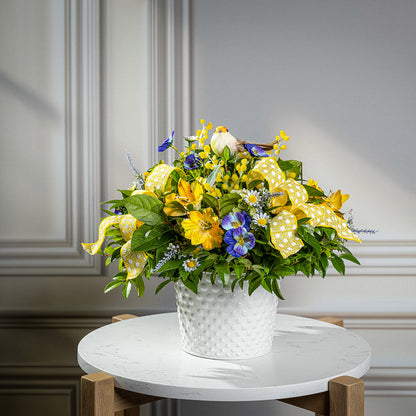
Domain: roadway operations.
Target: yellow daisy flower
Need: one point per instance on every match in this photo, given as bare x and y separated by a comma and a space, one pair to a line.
203, 228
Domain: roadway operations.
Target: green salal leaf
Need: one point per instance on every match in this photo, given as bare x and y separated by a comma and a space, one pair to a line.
192, 283
303, 221
238, 270
223, 270
294, 166
109, 250
254, 284
112, 201
233, 284
227, 203
226, 153
170, 265
113, 284
184, 274
126, 289
205, 264
138, 282
210, 201
145, 208
324, 261
350, 257
115, 254
259, 269
338, 264
245, 262
113, 232
309, 239
276, 289
107, 211
255, 183
267, 284
305, 268
120, 276
313, 191
148, 238
125, 192
329, 232
161, 286
283, 271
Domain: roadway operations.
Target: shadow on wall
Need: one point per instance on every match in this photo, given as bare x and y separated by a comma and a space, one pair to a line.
28, 98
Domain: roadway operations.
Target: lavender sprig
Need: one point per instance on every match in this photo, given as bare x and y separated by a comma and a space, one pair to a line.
140, 179
173, 250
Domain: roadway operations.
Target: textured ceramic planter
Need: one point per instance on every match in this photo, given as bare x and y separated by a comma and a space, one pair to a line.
218, 323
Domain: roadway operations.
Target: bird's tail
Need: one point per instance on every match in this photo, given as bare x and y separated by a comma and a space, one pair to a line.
265, 146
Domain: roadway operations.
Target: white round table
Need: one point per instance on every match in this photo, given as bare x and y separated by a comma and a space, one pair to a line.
144, 355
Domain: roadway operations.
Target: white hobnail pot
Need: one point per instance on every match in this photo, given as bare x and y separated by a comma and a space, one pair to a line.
221, 324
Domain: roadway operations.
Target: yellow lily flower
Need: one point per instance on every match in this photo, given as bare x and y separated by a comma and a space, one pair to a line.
203, 228
335, 201
189, 194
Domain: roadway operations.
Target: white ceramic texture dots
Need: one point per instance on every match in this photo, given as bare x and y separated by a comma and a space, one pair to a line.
221, 324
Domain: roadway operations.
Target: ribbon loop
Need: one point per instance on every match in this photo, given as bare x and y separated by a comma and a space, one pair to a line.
92, 248
158, 178
268, 169
296, 192
284, 224
134, 262
321, 216
283, 234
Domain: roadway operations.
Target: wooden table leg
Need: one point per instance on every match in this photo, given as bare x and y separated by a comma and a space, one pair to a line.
346, 396
123, 317
97, 395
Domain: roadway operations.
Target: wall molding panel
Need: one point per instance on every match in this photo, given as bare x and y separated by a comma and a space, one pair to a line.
82, 157
30, 391
169, 73
390, 381
384, 258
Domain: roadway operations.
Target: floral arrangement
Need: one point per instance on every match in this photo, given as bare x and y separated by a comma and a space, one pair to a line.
229, 208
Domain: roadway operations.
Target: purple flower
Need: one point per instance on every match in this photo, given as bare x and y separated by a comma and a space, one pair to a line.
247, 220
239, 241
167, 143
192, 161
255, 150
235, 220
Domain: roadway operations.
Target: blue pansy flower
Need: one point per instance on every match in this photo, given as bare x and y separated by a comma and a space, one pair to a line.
192, 161
167, 143
247, 220
239, 241
255, 150
235, 220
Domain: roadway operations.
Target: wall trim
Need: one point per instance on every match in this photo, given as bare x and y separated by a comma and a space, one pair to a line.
82, 151
59, 386
390, 381
169, 74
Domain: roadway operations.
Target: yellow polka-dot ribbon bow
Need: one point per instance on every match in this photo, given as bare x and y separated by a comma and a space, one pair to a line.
133, 261
283, 226
159, 178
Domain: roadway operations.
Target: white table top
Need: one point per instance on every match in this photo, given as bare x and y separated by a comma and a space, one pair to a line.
144, 355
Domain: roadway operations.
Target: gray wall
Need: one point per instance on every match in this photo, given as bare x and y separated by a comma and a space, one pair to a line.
82, 82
